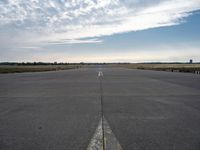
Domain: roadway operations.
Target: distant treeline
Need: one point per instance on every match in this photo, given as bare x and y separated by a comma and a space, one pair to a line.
32, 63
82, 63
54, 63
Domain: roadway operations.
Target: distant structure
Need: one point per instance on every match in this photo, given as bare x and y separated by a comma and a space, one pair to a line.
191, 61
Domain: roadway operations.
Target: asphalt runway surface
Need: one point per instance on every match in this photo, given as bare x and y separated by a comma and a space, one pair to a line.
146, 110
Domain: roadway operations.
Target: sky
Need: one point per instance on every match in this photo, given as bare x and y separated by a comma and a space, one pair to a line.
99, 30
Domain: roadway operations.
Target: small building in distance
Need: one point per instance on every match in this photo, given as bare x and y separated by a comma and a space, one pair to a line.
191, 61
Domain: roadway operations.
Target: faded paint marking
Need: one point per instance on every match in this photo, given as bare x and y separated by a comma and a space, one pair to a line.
96, 142
100, 74
111, 142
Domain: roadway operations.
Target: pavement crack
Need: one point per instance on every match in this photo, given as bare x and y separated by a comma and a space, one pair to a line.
104, 138
102, 106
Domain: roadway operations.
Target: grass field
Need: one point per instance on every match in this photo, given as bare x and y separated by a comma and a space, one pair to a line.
35, 68
190, 68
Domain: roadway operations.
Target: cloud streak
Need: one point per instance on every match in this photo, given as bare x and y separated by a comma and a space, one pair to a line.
70, 21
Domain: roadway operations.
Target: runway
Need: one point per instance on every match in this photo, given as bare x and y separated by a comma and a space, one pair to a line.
145, 110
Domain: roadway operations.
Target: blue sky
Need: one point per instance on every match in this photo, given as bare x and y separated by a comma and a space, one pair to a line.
99, 30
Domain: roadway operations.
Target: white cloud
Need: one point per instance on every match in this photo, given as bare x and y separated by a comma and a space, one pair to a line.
71, 20
73, 41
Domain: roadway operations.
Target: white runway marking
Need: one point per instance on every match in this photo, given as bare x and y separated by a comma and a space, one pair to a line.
100, 74
97, 141
110, 141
